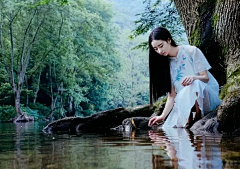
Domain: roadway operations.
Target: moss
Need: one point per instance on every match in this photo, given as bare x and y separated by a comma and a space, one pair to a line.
215, 19
161, 101
235, 73
224, 91
224, 50
160, 104
230, 88
195, 38
233, 82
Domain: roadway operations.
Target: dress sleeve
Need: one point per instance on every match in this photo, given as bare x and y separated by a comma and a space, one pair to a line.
200, 62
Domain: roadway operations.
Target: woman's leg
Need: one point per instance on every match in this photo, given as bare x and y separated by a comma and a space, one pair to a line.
198, 112
192, 120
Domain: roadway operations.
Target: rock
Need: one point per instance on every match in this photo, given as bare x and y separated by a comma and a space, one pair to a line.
134, 123
229, 112
208, 123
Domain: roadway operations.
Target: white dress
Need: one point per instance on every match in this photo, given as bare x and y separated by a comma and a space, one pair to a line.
191, 61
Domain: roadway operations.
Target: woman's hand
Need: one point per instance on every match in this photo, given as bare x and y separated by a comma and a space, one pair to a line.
188, 80
155, 120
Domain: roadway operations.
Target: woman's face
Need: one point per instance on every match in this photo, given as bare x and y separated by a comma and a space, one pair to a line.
161, 47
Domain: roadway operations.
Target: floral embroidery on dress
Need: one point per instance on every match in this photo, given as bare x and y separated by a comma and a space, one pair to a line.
181, 67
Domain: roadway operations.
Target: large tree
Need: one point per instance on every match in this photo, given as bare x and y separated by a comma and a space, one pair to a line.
213, 26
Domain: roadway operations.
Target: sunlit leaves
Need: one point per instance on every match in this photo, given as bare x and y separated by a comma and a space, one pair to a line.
159, 13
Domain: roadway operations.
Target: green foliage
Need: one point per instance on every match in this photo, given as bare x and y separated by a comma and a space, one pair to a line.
130, 86
7, 113
38, 111
215, 19
160, 13
47, 2
6, 94
80, 57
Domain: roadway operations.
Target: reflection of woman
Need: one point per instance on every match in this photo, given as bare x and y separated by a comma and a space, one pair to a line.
187, 151
161, 140
182, 71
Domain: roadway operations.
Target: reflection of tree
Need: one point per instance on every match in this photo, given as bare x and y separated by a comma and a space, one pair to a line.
186, 150
230, 151
136, 149
19, 156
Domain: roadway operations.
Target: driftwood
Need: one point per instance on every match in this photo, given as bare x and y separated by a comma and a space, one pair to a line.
99, 122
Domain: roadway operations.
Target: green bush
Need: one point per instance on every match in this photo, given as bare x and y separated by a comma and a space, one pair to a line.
7, 112
38, 111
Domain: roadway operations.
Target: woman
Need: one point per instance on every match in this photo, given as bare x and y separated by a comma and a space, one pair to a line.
182, 72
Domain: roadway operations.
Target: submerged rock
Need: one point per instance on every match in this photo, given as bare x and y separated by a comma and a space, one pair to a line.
130, 124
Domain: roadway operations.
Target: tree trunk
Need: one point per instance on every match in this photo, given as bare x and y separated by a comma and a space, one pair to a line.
17, 91
25, 56
27, 99
17, 103
37, 89
71, 112
213, 26
54, 100
1, 35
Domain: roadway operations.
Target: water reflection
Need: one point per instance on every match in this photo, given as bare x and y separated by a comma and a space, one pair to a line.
25, 146
186, 150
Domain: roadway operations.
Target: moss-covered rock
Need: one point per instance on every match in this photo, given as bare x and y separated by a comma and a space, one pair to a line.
229, 112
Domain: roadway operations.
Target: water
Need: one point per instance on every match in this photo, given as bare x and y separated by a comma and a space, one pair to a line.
25, 146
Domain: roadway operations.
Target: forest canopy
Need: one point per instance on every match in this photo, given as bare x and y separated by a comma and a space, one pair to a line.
66, 58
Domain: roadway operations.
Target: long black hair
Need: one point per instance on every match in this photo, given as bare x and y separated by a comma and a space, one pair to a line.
159, 68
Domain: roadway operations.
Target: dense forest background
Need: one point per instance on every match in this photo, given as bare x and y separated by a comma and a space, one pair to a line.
77, 58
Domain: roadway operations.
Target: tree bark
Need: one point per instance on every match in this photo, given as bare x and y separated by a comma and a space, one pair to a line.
213, 26
54, 99
1, 34
37, 88
16, 90
17, 103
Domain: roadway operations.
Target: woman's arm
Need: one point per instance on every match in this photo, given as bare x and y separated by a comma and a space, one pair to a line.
203, 76
169, 103
166, 110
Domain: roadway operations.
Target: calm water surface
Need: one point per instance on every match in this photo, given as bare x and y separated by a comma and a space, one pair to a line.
25, 146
